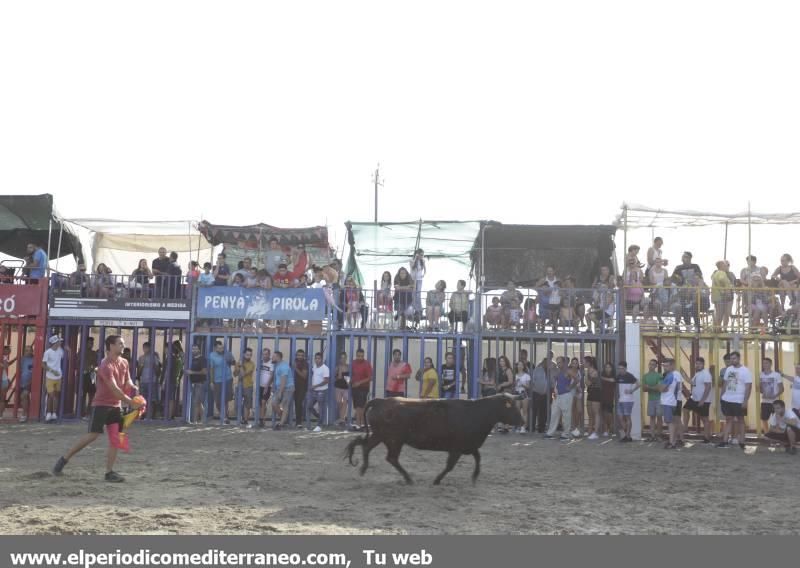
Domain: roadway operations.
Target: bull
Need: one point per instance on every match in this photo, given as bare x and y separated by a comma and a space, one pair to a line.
458, 427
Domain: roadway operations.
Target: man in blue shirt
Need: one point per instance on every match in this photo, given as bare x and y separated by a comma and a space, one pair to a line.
219, 366
39, 263
561, 409
283, 388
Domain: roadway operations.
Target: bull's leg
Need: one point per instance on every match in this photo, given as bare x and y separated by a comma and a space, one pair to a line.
392, 457
452, 459
369, 445
476, 454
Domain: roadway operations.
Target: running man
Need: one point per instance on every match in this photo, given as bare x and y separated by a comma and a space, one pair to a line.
113, 379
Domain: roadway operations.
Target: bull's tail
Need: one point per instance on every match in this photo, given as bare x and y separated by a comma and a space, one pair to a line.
361, 440
351, 449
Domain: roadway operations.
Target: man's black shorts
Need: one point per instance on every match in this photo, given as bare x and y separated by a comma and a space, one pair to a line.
264, 392
766, 410
732, 409
360, 398
678, 408
699, 409
88, 386
103, 416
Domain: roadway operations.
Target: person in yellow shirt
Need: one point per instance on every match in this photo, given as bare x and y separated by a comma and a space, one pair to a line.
247, 372
430, 380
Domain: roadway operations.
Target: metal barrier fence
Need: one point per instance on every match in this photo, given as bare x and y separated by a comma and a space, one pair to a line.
119, 286
703, 309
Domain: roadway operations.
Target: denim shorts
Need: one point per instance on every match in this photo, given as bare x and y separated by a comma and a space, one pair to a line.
625, 408
654, 408
668, 413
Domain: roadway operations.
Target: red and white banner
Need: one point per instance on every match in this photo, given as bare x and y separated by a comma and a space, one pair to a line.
20, 300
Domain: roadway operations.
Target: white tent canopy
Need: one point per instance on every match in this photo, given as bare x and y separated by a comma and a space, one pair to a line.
633, 216
121, 244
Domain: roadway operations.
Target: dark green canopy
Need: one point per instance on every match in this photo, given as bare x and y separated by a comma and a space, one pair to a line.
27, 219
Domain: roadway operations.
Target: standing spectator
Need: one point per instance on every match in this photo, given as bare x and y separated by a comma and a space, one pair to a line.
752, 269
80, 280
627, 385
403, 296
418, 269
721, 296
175, 273
148, 370
450, 376
459, 306
274, 257
561, 409
523, 358
771, 389
594, 397
540, 395
687, 268
140, 279
654, 253
283, 389
25, 382
634, 289
505, 383
244, 268
5, 383
220, 363
608, 394
88, 378
434, 303
172, 387
578, 418
222, 271
529, 315
320, 379
784, 425
602, 299
788, 278
511, 302
650, 384
399, 373
430, 380
670, 387
488, 382
301, 372
383, 301
342, 386
206, 279
161, 269
265, 382
494, 313
247, 372
52, 360
700, 399
38, 264
192, 275
795, 380
198, 377
352, 302
549, 297
761, 302
522, 387
737, 384
362, 376
568, 315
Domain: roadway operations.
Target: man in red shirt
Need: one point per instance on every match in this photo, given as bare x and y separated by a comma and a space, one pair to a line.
113, 381
399, 373
361, 377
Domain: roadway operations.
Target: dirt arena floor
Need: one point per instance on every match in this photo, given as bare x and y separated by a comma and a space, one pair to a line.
211, 480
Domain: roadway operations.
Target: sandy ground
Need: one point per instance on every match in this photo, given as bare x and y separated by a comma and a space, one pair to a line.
202, 480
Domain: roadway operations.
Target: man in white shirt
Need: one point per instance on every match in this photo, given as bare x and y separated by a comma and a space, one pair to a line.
320, 378
52, 366
737, 384
670, 388
771, 388
700, 401
784, 426
265, 382
795, 380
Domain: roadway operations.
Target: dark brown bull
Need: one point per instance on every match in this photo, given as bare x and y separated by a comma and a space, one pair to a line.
458, 427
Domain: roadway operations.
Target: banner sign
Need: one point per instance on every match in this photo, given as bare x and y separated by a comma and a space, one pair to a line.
229, 302
127, 310
22, 300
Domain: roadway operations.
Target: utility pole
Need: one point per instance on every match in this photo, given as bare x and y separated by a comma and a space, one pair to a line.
377, 181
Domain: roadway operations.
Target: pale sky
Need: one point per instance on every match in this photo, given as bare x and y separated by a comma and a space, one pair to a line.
521, 112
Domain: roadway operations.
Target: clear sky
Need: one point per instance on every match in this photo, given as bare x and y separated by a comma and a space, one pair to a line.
525, 112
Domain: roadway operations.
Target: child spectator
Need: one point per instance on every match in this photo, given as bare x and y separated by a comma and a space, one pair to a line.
511, 301
263, 280
634, 290
206, 279
433, 305
403, 296
430, 380
238, 281
384, 299
568, 301
352, 302
494, 313
282, 279
522, 387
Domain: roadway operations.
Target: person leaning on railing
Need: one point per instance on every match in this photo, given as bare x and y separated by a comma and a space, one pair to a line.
722, 296
459, 306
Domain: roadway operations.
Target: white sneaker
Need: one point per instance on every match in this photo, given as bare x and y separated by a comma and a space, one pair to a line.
50, 416
606, 434
318, 429
733, 441
594, 436
523, 431
23, 419
576, 433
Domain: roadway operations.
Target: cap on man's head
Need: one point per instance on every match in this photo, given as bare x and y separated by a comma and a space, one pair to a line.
53, 340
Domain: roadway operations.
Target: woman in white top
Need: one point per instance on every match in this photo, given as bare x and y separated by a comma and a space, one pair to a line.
417, 271
522, 386
654, 253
